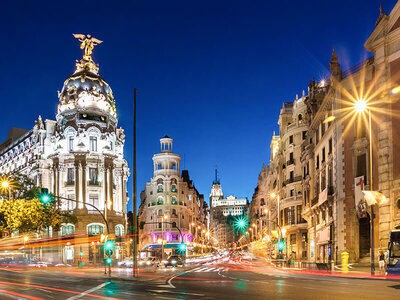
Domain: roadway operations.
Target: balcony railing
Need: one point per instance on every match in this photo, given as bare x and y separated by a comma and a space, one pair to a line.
291, 180
93, 183
290, 162
314, 201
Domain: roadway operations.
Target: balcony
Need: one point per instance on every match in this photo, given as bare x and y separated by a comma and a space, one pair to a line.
291, 180
93, 183
290, 162
314, 201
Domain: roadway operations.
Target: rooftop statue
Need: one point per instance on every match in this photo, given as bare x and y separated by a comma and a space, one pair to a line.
87, 42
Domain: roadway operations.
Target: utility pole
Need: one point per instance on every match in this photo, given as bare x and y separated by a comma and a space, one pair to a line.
135, 221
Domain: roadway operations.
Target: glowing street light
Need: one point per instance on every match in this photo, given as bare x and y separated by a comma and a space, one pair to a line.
360, 106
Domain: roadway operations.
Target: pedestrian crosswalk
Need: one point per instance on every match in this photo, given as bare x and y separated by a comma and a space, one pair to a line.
207, 269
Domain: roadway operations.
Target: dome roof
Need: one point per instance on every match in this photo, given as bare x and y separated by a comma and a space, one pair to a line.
86, 90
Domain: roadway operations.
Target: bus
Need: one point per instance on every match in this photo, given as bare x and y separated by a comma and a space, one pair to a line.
393, 266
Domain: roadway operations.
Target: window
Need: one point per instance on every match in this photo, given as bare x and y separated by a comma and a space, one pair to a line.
362, 166
323, 154
299, 216
300, 117
304, 134
95, 229
330, 146
190, 197
174, 212
173, 188
173, 224
94, 200
323, 180
160, 212
93, 143
322, 129
291, 192
291, 139
119, 230
159, 225
317, 136
173, 200
71, 143
93, 176
159, 167
68, 229
317, 162
70, 176
291, 176
160, 188
160, 201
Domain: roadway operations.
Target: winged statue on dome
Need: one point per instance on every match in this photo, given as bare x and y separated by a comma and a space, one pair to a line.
87, 42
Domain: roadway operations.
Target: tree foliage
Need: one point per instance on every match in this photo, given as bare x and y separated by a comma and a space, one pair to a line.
22, 210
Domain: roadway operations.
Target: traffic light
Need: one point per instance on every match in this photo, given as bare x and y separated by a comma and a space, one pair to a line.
109, 245
281, 245
81, 253
108, 260
182, 248
241, 223
44, 196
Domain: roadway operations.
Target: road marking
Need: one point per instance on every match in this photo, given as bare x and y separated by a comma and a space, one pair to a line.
89, 291
18, 295
172, 292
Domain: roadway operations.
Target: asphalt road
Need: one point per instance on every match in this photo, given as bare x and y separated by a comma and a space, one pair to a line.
218, 280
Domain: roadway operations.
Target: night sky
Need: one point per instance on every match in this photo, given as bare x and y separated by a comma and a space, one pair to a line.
211, 74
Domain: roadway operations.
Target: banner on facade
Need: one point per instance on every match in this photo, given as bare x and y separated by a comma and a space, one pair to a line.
360, 203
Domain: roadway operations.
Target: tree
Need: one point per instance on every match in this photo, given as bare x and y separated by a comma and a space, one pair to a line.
24, 211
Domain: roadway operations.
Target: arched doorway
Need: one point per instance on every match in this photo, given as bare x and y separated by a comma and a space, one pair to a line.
364, 236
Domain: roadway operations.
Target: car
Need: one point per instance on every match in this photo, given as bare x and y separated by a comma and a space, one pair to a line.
128, 262
149, 261
38, 264
174, 261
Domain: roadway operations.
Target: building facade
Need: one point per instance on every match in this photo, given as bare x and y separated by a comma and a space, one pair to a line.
221, 211
171, 211
78, 156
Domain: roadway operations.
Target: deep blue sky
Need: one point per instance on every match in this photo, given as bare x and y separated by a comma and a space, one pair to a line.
211, 74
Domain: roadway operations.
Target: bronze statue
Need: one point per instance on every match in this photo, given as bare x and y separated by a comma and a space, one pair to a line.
87, 42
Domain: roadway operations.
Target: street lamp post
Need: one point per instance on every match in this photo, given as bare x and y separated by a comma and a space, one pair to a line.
361, 106
164, 217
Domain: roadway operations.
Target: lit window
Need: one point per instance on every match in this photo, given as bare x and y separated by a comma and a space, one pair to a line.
68, 229
95, 229
119, 230
93, 176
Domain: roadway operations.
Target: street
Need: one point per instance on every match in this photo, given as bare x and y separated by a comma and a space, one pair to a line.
215, 280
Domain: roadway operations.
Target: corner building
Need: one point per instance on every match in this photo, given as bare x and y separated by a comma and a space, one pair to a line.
78, 156
171, 209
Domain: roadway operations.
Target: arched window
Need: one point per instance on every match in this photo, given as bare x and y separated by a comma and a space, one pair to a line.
160, 188
173, 188
173, 224
119, 230
174, 212
160, 212
300, 117
160, 201
67, 229
173, 200
95, 229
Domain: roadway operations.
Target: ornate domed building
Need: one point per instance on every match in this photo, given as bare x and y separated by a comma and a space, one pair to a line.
79, 156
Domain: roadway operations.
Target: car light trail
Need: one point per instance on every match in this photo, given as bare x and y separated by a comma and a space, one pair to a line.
54, 289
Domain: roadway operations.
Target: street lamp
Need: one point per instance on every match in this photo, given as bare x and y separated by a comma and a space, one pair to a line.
164, 217
361, 106
5, 184
25, 240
